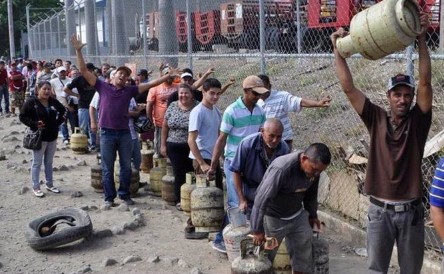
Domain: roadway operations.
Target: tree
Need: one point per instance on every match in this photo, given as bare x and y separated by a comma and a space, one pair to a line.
20, 19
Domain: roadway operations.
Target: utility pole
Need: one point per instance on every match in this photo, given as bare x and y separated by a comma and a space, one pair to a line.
11, 30
441, 28
28, 29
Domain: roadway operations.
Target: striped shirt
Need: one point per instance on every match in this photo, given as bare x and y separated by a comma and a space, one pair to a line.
238, 122
277, 105
437, 188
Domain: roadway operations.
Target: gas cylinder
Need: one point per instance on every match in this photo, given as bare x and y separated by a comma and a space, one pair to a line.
134, 180
384, 28
147, 157
168, 186
185, 192
320, 255
281, 262
156, 174
232, 239
79, 142
96, 176
251, 260
207, 205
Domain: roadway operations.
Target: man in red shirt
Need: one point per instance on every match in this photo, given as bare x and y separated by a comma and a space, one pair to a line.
4, 94
16, 91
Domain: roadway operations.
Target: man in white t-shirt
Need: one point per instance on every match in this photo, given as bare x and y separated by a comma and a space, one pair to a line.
58, 85
203, 131
277, 104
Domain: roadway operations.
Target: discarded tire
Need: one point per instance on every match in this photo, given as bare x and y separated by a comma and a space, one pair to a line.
41, 233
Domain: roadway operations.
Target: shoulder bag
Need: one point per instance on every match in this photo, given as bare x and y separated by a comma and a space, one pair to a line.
143, 124
33, 139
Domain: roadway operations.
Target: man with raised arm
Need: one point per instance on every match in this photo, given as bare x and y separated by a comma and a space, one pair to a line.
394, 178
115, 134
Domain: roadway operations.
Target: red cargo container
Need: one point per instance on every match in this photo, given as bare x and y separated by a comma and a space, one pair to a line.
207, 26
182, 31
181, 27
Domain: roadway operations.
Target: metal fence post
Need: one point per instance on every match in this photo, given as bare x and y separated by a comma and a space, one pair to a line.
70, 24
409, 64
28, 29
298, 25
39, 36
51, 48
262, 35
45, 42
189, 38
59, 35
143, 34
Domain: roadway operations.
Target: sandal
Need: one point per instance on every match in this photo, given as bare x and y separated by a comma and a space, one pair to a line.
178, 207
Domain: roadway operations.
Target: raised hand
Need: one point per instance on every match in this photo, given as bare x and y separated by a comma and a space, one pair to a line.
209, 71
337, 34
424, 20
76, 43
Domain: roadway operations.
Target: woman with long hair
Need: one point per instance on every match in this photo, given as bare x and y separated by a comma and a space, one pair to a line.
45, 113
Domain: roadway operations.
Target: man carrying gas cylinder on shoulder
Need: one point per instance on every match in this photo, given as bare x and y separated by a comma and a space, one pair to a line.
393, 177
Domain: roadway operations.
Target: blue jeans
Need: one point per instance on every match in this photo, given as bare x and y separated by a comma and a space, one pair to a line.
111, 142
233, 200
4, 94
384, 228
136, 155
44, 155
85, 126
73, 118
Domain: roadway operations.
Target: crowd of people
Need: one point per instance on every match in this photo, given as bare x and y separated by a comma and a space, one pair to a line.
268, 177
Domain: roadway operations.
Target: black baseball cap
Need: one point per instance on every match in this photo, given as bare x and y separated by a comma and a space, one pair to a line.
143, 72
401, 79
90, 66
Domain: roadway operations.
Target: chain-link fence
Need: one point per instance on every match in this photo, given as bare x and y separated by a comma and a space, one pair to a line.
286, 39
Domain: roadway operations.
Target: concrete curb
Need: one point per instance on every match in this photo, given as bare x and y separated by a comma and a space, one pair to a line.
357, 236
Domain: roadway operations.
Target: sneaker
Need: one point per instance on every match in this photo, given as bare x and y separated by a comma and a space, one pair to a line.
219, 246
128, 201
66, 142
38, 193
53, 189
92, 148
109, 204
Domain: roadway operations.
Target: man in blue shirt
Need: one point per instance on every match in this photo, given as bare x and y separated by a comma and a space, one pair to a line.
253, 156
437, 201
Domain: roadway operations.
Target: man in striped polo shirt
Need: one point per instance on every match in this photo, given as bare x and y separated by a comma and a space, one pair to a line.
277, 104
437, 201
240, 119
